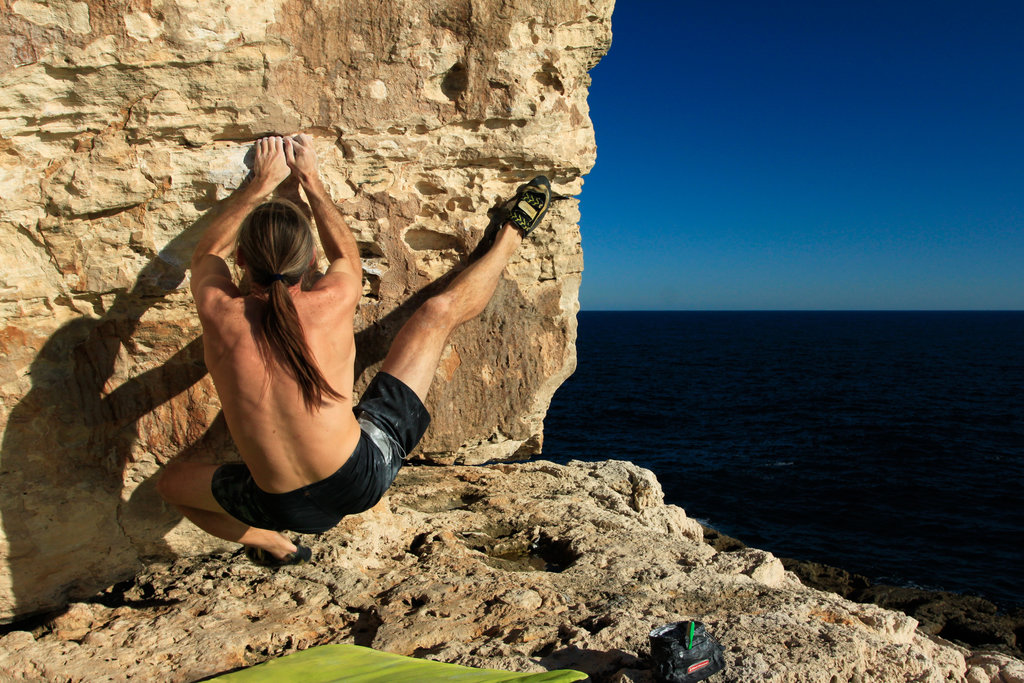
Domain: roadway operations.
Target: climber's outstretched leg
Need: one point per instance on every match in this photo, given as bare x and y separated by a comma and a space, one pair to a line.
416, 350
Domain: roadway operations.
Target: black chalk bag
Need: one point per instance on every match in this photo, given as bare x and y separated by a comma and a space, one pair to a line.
684, 652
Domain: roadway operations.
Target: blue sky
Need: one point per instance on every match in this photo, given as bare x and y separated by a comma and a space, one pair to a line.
807, 155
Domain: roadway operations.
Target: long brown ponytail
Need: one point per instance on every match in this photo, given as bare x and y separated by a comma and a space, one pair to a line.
276, 241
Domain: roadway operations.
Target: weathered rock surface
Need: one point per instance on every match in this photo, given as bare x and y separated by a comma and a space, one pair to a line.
517, 566
123, 123
967, 620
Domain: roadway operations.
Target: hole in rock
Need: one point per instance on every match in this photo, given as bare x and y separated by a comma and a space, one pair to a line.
428, 188
517, 552
596, 624
370, 250
548, 77
418, 543
127, 594
514, 636
498, 124
415, 602
464, 203
427, 240
443, 501
372, 288
455, 81
365, 628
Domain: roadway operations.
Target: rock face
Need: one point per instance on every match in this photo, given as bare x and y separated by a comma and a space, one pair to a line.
122, 124
512, 566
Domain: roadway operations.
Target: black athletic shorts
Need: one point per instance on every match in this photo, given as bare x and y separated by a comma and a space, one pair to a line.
392, 420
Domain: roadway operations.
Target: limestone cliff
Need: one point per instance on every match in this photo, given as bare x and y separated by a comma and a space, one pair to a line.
123, 122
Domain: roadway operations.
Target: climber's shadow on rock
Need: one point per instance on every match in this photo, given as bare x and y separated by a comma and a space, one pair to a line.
78, 440
70, 446
599, 664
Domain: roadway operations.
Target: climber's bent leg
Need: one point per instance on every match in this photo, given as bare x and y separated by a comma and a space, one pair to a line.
188, 486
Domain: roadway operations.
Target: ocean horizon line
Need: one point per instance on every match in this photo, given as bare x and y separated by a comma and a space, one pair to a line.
801, 310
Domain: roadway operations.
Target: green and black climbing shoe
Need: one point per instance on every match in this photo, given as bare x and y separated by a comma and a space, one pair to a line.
259, 556
530, 205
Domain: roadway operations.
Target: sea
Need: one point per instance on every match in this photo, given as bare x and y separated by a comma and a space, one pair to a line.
890, 444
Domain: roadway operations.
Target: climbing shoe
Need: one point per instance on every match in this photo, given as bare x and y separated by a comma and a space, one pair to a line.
530, 204
259, 556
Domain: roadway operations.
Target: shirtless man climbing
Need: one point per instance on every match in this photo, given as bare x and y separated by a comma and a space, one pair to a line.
282, 359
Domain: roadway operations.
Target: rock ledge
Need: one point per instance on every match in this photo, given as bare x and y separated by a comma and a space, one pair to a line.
523, 567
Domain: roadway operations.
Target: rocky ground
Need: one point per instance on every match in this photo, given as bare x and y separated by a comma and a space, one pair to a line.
969, 621
524, 567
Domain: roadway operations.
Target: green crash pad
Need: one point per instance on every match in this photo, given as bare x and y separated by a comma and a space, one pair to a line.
355, 664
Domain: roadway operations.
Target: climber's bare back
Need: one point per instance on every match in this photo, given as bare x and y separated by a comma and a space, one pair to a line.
285, 445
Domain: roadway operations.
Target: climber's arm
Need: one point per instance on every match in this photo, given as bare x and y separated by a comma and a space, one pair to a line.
339, 243
219, 237
211, 276
208, 260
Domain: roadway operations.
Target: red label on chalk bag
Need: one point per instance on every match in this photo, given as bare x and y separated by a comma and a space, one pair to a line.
698, 666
